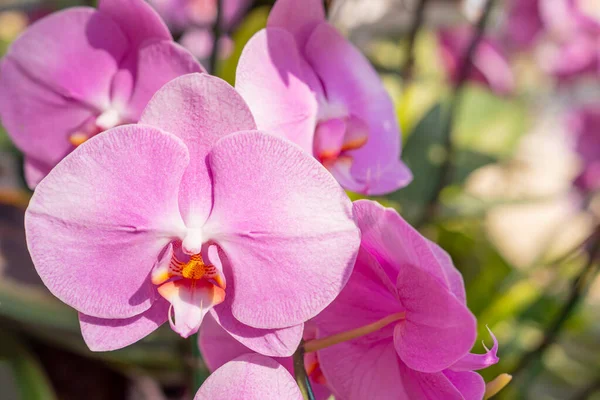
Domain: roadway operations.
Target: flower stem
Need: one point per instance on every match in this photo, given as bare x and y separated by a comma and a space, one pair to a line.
320, 344
300, 374
217, 30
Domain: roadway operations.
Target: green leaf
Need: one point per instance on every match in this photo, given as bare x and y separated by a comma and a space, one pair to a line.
31, 380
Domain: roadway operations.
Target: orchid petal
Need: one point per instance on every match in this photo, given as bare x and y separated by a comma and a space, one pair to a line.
97, 223
438, 330
329, 138
421, 385
158, 63
137, 19
217, 346
190, 302
113, 334
250, 377
453, 276
279, 87
200, 109
355, 84
309, 241
298, 18
470, 384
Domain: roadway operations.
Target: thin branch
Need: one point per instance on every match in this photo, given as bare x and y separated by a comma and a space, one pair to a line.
300, 374
214, 56
466, 66
576, 293
417, 22
588, 391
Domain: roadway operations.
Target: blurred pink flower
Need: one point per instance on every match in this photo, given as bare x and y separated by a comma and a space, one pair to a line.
218, 348
81, 71
176, 216
306, 82
585, 125
523, 24
490, 63
425, 353
250, 377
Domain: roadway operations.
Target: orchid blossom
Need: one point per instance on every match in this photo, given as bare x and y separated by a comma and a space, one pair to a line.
188, 212
304, 81
78, 72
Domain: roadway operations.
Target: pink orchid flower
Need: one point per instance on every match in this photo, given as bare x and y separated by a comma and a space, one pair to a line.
192, 211
78, 72
408, 280
218, 348
490, 67
584, 123
304, 81
523, 24
250, 377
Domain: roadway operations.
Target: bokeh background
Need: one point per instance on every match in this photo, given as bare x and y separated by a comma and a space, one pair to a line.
499, 103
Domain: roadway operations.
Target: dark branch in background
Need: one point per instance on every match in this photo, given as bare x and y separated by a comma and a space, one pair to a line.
588, 391
417, 22
300, 374
214, 56
576, 293
464, 71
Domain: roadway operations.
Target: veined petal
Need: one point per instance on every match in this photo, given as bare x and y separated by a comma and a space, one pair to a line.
439, 330
250, 377
420, 385
190, 301
470, 384
298, 18
137, 19
309, 242
355, 84
216, 345
113, 334
75, 53
279, 87
158, 63
96, 225
200, 109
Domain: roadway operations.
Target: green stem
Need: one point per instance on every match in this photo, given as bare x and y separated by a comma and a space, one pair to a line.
300, 374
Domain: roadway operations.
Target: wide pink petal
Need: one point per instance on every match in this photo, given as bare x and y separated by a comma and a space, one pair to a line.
297, 17
279, 87
250, 377
74, 53
38, 120
452, 275
98, 222
157, 64
470, 384
216, 345
368, 297
269, 342
363, 369
137, 19
425, 386
355, 84
200, 109
438, 330
291, 265
113, 334
395, 243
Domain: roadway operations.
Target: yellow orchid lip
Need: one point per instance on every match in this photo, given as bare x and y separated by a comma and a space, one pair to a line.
194, 269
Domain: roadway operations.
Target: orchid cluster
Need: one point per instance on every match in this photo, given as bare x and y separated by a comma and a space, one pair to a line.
164, 194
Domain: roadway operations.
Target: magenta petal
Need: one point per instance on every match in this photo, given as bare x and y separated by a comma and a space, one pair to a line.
250, 377
137, 19
297, 17
35, 171
360, 370
200, 109
452, 276
113, 334
216, 345
308, 242
96, 225
158, 63
279, 87
269, 342
75, 53
438, 330
420, 385
355, 84
470, 384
